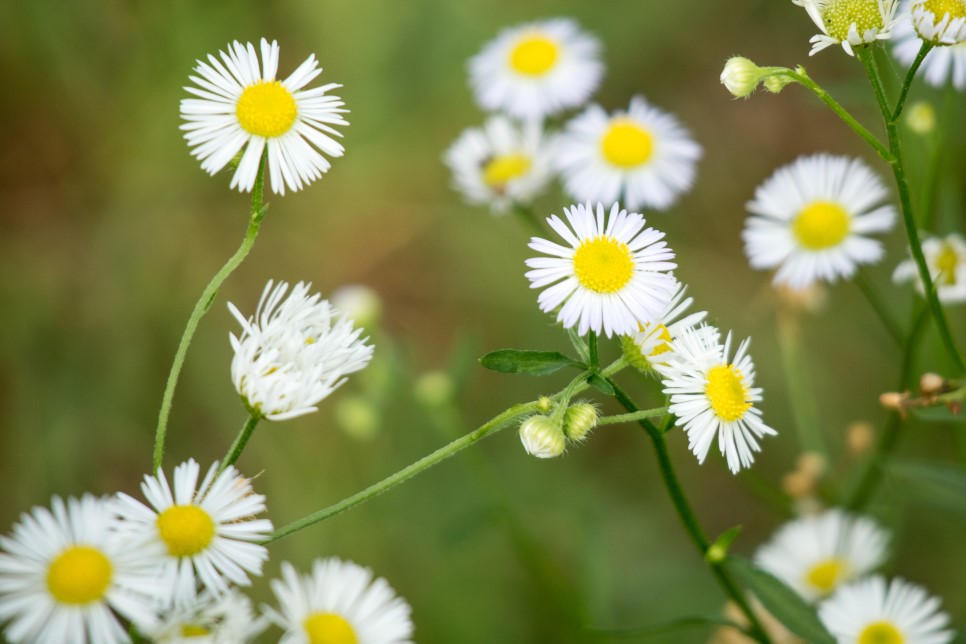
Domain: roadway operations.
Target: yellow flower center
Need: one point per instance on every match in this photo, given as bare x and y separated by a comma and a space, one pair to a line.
827, 574
840, 15
946, 262
821, 225
79, 575
266, 109
603, 264
665, 341
185, 529
727, 392
534, 55
626, 144
500, 170
193, 630
881, 633
329, 628
939, 8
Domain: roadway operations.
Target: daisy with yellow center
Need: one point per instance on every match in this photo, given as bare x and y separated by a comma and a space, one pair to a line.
943, 65
652, 341
240, 105
713, 394
211, 619
814, 555
946, 258
810, 220
206, 531
941, 22
610, 277
642, 157
502, 163
537, 69
850, 23
339, 602
66, 577
877, 611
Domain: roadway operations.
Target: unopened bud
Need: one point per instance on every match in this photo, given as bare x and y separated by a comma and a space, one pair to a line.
921, 118
797, 484
740, 76
777, 82
357, 416
542, 437
359, 303
545, 404
433, 389
893, 400
931, 385
859, 437
812, 464
579, 419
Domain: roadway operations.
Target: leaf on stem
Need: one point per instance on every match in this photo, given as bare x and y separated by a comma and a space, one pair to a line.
533, 363
601, 385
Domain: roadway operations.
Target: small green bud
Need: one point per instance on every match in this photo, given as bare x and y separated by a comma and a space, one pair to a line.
740, 76
433, 389
921, 118
776, 83
358, 417
579, 419
545, 404
542, 437
632, 352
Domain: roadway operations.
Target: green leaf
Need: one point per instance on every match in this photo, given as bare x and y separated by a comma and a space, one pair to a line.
939, 415
942, 484
667, 627
534, 363
781, 601
600, 384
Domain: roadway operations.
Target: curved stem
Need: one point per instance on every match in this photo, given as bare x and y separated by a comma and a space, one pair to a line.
201, 307
240, 441
632, 417
690, 521
888, 321
924, 49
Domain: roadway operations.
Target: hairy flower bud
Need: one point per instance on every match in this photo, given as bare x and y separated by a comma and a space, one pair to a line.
542, 437
740, 76
579, 419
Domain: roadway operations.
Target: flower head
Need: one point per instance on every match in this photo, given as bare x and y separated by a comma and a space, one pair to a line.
740, 76
810, 219
941, 22
875, 610
501, 163
293, 352
815, 555
66, 576
943, 64
713, 394
946, 258
537, 69
339, 603
642, 157
610, 277
542, 436
207, 531
211, 619
650, 344
240, 104
850, 22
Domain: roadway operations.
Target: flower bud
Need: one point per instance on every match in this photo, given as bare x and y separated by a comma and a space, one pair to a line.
359, 303
433, 389
632, 352
921, 117
859, 437
579, 419
776, 83
542, 437
740, 76
812, 465
358, 417
893, 400
931, 385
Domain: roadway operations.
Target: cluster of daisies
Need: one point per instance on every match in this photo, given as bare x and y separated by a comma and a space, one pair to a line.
830, 559
533, 74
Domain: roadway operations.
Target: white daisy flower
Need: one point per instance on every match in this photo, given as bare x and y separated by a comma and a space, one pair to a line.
941, 22
501, 163
811, 218
943, 64
642, 157
946, 258
815, 555
874, 610
211, 619
537, 69
293, 352
850, 23
339, 602
239, 105
610, 278
713, 394
65, 576
206, 531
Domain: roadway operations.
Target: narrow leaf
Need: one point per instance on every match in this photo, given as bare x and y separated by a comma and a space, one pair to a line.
534, 363
600, 384
939, 415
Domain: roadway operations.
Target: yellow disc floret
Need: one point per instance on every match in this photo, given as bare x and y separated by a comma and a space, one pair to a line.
603, 264
185, 529
534, 55
266, 109
881, 633
840, 15
329, 628
626, 144
827, 574
939, 8
947, 261
821, 225
727, 392
194, 630
502, 169
79, 575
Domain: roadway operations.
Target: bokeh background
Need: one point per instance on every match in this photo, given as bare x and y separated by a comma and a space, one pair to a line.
110, 230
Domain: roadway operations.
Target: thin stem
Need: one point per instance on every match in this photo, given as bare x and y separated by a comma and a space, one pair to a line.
867, 56
888, 321
632, 417
690, 521
592, 346
801, 396
204, 303
924, 49
240, 441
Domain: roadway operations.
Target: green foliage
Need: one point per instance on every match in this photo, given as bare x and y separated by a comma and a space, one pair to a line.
532, 363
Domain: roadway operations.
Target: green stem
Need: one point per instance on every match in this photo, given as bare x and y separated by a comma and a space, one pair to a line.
632, 417
888, 321
801, 397
203, 304
690, 521
240, 441
592, 346
924, 49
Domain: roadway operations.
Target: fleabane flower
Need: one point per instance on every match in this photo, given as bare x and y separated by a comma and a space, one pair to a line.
653, 340
537, 69
850, 23
239, 104
210, 619
66, 576
713, 394
293, 352
341, 603
609, 278
502, 163
876, 610
941, 22
815, 555
942, 66
811, 217
641, 156
207, 531
946, 259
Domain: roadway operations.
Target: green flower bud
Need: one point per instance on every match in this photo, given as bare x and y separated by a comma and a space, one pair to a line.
740, 76
357, 417
579, 419
433, 389
542, 437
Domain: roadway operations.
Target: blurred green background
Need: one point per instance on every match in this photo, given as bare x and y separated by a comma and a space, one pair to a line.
110, 231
